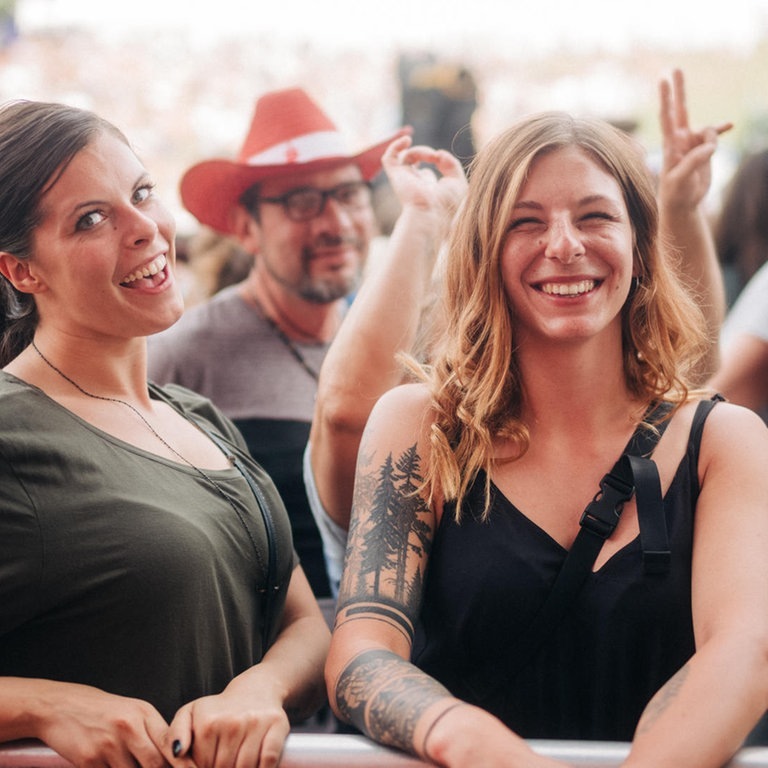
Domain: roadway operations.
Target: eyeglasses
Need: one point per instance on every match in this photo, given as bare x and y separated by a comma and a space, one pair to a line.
305, 203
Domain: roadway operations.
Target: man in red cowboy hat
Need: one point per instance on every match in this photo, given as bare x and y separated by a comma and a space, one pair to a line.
298, 200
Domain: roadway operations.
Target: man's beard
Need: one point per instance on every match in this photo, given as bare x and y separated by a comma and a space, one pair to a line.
327, 290
323, 290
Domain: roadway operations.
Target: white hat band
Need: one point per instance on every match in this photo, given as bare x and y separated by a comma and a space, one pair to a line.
302, 149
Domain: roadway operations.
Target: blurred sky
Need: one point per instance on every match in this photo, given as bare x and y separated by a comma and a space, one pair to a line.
535, 25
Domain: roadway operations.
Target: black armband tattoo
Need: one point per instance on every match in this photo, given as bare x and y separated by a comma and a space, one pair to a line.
390, 616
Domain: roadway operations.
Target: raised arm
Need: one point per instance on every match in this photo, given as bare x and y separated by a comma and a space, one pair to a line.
702, 715
371, 681
684, 181
383, 320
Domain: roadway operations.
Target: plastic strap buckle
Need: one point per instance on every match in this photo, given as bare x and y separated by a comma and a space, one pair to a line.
602, 514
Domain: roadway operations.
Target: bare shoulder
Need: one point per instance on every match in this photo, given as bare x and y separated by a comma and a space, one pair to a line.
731, 435
734, 437
405, 407
729, 422
410, 396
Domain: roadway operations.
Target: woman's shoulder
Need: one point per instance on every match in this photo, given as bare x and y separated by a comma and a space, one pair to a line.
404, 410
710, 407
726, 418
411, 398
729, 433
716, 413
30, 418
20, 400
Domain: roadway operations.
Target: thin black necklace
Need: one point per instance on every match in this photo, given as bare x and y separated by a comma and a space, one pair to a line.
127, 405
288, 342
183, 459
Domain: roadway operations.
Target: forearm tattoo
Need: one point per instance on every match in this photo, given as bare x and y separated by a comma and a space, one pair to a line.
389, 541
662, 699
388, 548
384, 696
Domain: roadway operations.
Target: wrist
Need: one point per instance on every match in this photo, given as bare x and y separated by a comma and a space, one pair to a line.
682, 223
421, 217
675, 206
459, 734
255, 683
431, 729
35, 704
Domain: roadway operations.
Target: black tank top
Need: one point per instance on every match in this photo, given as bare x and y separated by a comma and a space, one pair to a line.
628, 632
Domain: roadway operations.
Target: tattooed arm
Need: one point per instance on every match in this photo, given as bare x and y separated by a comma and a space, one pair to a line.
386, 317
371, 682
704, 712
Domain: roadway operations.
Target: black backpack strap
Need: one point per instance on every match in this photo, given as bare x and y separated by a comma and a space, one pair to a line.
633, 472
654, 541
657, 557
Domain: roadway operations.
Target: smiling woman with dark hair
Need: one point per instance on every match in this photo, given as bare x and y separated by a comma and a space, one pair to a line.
147, 573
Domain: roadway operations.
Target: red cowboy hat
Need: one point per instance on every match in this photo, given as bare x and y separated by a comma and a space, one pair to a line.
289, 132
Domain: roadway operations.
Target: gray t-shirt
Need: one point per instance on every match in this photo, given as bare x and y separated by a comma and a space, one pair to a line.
225, 350
749, 314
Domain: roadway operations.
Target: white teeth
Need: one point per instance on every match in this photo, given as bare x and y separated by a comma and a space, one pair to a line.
568, 289
155, 266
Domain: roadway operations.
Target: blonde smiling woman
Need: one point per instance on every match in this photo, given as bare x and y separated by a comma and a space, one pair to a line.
569, 339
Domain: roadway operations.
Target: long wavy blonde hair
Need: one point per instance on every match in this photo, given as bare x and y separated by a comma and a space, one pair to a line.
475, 383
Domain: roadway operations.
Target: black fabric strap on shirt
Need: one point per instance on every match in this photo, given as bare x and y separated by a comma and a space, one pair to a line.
271, 587
633, 473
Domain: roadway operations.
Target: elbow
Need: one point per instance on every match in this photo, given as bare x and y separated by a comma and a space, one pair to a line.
752, 648
339, 411
331, 680
339, 658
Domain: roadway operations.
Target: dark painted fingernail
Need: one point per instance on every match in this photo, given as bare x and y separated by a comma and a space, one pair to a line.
176, 748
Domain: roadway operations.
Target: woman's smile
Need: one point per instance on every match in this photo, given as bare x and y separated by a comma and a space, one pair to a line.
568, 288
149, 276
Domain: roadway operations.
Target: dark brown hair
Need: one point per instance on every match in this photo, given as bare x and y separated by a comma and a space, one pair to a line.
37, 142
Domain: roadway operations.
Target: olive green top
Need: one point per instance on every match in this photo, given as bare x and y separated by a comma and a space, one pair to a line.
121, 569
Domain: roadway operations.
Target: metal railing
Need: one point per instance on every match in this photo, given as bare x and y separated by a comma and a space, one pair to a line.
321, 750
